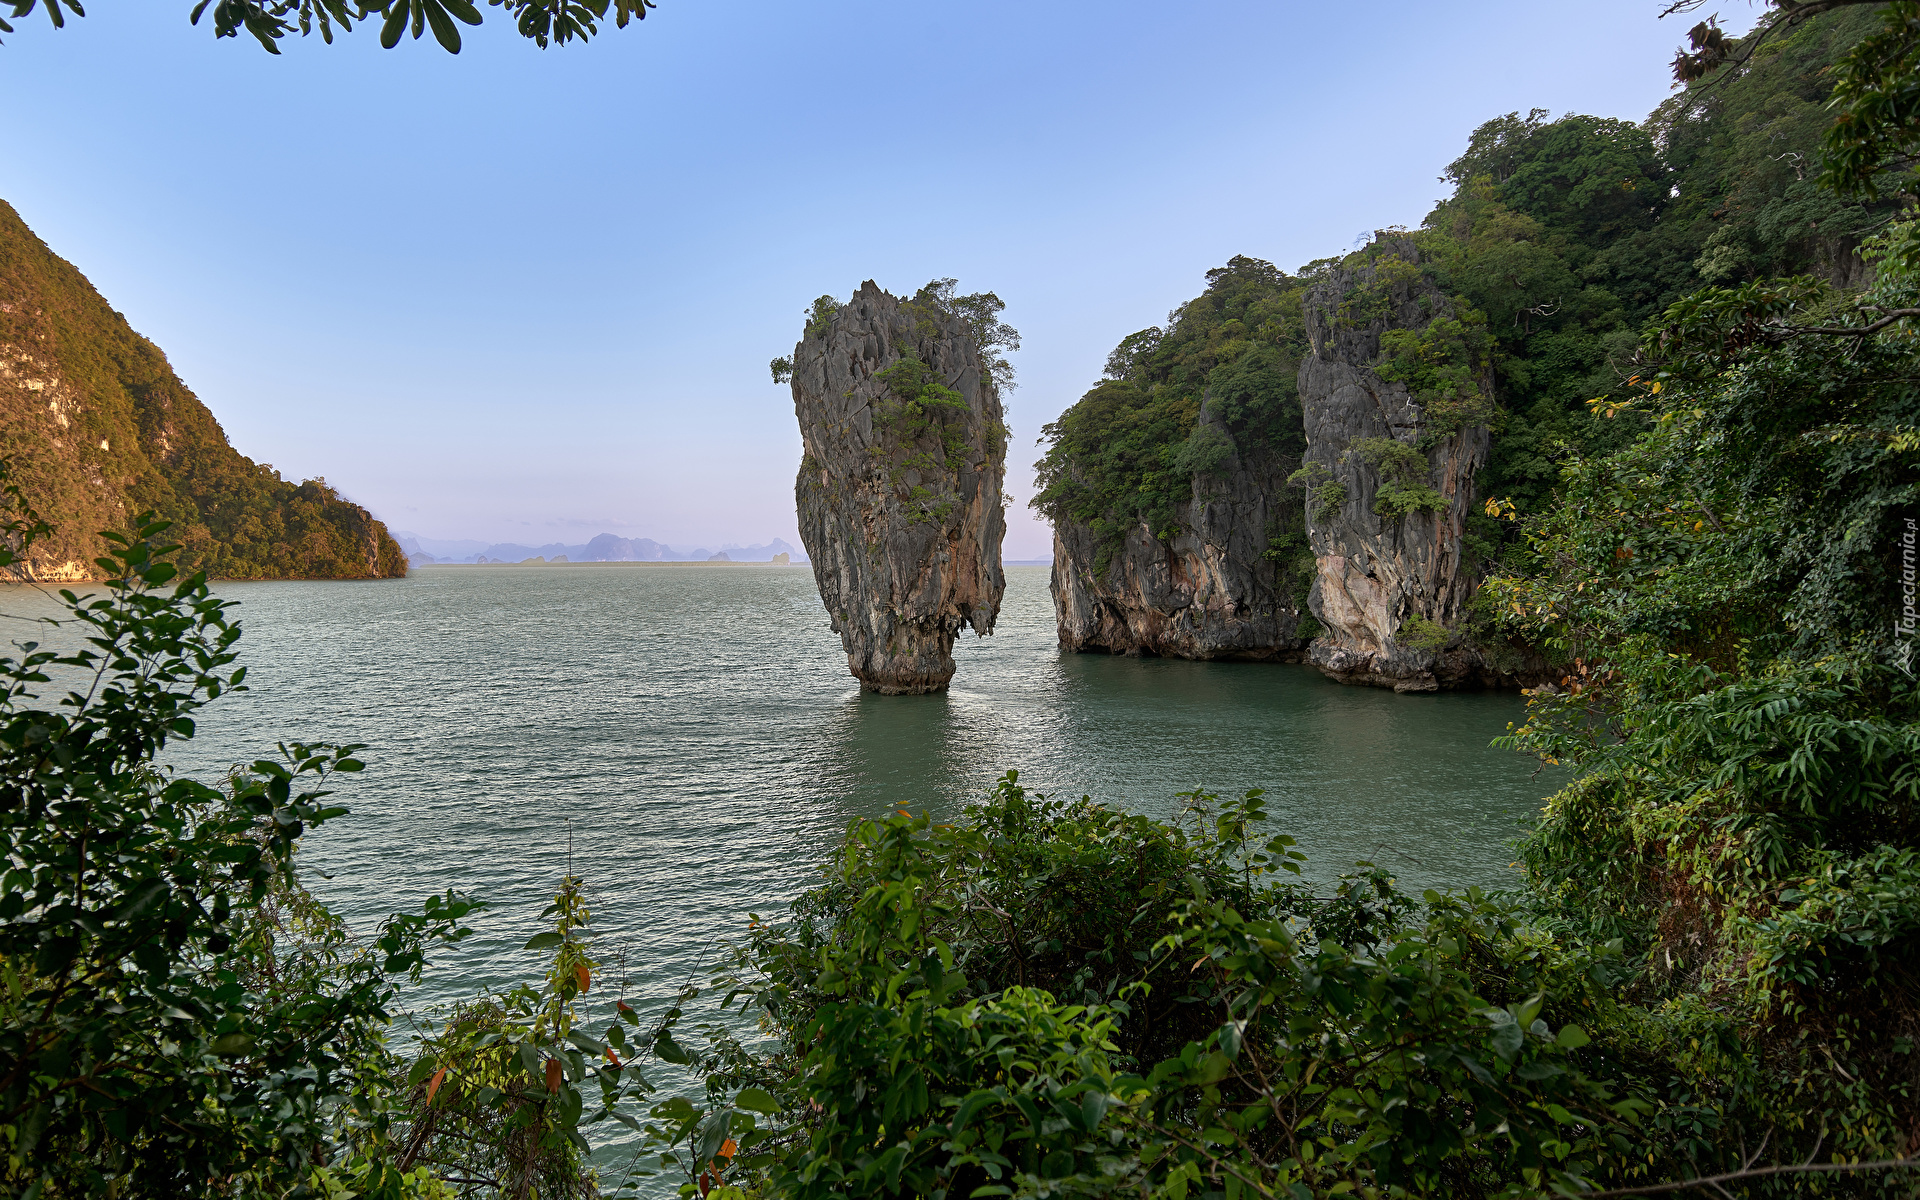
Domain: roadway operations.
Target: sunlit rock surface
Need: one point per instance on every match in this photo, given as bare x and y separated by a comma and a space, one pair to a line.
1377, 572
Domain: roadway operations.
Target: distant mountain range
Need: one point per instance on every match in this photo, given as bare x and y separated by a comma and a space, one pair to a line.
605, 548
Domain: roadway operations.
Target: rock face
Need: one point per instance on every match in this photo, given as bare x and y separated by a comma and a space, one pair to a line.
899, 490
1382, 578
1210, 592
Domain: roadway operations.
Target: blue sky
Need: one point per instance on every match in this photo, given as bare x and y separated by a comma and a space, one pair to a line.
530, 296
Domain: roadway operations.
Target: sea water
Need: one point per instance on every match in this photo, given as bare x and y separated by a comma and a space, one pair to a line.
689, 740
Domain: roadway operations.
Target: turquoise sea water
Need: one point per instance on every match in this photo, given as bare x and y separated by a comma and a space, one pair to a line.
693, 733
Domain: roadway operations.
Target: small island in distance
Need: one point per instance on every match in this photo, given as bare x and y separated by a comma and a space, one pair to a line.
607, 547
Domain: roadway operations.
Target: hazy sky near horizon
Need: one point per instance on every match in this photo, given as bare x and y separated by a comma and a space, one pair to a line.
530, 296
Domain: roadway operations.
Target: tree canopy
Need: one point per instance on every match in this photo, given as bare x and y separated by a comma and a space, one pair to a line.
544, 22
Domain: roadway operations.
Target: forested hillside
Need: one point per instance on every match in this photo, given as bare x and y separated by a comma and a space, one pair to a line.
1561, 239
100, 429
1129, 450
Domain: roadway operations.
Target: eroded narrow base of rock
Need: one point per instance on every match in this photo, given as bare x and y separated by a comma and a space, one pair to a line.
909, 662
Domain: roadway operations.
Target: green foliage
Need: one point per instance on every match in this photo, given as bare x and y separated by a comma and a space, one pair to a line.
121, 416
1441, 365
1207, 451
819, 313
979, 312
1422, 633
1570, 235
1561, 239
1740, 709
1290, 547
1373, 299
544, 22
925, 411
1056, 998
174, 1007
1406, 478
1325, 494
1130, 450
1743, 730
501, 1093
1871, 146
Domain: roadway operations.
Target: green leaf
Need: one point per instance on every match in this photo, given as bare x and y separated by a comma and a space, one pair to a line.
713, 1134
1230, 1039
1213, 1069
754, 1100
395, 26
665, 1047
973, 1104
232, 1045
1572, 1037
1093, 1106
544, 941
444, 30
1507, 1040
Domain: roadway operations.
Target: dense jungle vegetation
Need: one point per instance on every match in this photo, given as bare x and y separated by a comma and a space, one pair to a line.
1704, 981
100, 428
1561, 240
1128, 451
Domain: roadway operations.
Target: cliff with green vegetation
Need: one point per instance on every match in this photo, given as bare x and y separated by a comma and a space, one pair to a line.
1528, 289
1173, 530
899, 488
100, 430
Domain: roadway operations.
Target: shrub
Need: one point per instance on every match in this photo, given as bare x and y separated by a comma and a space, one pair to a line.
1405, 477
178, 1015
1420, 633
1057, 998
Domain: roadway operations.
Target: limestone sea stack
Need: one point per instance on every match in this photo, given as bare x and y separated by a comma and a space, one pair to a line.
1209, 592
899, 491
1389, 477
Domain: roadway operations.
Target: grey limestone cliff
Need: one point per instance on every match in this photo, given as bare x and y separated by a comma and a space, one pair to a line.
1212, 591
899, 490
1391, 586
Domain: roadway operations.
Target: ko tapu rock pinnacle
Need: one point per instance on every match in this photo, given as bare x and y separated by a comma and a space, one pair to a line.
899, 491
